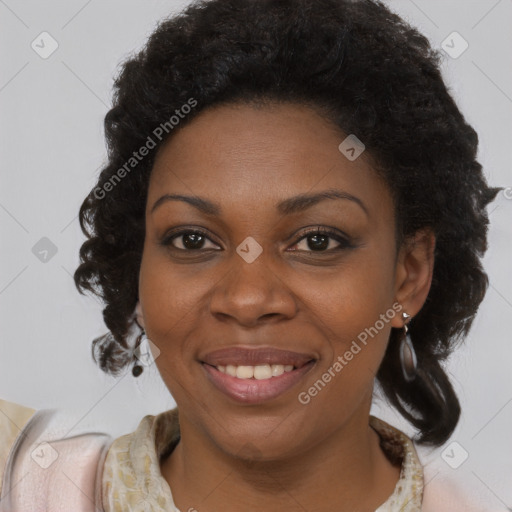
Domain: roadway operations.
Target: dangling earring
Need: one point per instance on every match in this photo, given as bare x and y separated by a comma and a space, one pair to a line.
408, 358
137, 368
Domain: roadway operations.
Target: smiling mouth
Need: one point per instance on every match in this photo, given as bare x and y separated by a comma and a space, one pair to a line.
252, 385
249, 375
258, 372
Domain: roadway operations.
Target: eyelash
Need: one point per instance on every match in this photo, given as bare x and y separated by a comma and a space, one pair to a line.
320, 230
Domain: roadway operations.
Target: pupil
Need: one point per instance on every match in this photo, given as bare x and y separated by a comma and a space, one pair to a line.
193, 241
319, 242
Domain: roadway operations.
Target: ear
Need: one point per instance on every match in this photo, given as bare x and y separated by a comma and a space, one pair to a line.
138, 312
413, 273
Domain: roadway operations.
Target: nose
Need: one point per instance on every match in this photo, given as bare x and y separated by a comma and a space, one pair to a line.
252, 293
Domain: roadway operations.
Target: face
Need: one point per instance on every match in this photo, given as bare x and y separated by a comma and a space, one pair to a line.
249, 278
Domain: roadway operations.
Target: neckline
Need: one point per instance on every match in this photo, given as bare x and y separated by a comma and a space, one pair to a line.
156, 437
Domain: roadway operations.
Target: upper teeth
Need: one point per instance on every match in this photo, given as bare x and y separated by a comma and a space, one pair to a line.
259, 372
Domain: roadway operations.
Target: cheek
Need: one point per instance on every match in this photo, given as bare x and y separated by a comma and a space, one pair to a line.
353, 310
170, 307
172, 304
168, 290
352, 297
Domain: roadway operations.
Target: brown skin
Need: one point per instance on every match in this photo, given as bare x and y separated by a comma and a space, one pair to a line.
279, 455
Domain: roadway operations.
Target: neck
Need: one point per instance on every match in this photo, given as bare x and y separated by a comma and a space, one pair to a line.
346, 471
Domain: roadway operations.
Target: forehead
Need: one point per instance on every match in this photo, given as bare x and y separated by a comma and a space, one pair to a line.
251, 157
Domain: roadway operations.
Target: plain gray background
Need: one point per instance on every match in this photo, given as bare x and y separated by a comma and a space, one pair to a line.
52, 148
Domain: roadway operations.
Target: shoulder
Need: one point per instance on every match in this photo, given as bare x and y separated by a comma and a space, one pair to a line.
446, 490
49, 459
443, 492
428, 482
13, 417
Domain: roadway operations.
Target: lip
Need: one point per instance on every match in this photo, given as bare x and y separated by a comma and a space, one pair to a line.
254, 391
241, 356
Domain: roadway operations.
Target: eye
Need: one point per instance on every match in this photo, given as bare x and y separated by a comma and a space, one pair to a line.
322, 239
189, 240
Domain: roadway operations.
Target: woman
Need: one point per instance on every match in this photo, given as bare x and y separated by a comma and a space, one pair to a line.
292, 208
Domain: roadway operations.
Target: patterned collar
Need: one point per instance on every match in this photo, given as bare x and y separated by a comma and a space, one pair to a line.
132, 481
408, 493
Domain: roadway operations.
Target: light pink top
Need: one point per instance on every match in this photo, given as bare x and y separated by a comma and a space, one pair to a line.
44, 469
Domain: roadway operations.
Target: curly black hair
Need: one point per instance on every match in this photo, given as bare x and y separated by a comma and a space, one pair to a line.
371, 74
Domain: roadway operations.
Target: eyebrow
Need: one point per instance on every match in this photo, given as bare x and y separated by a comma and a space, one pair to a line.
286, 207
